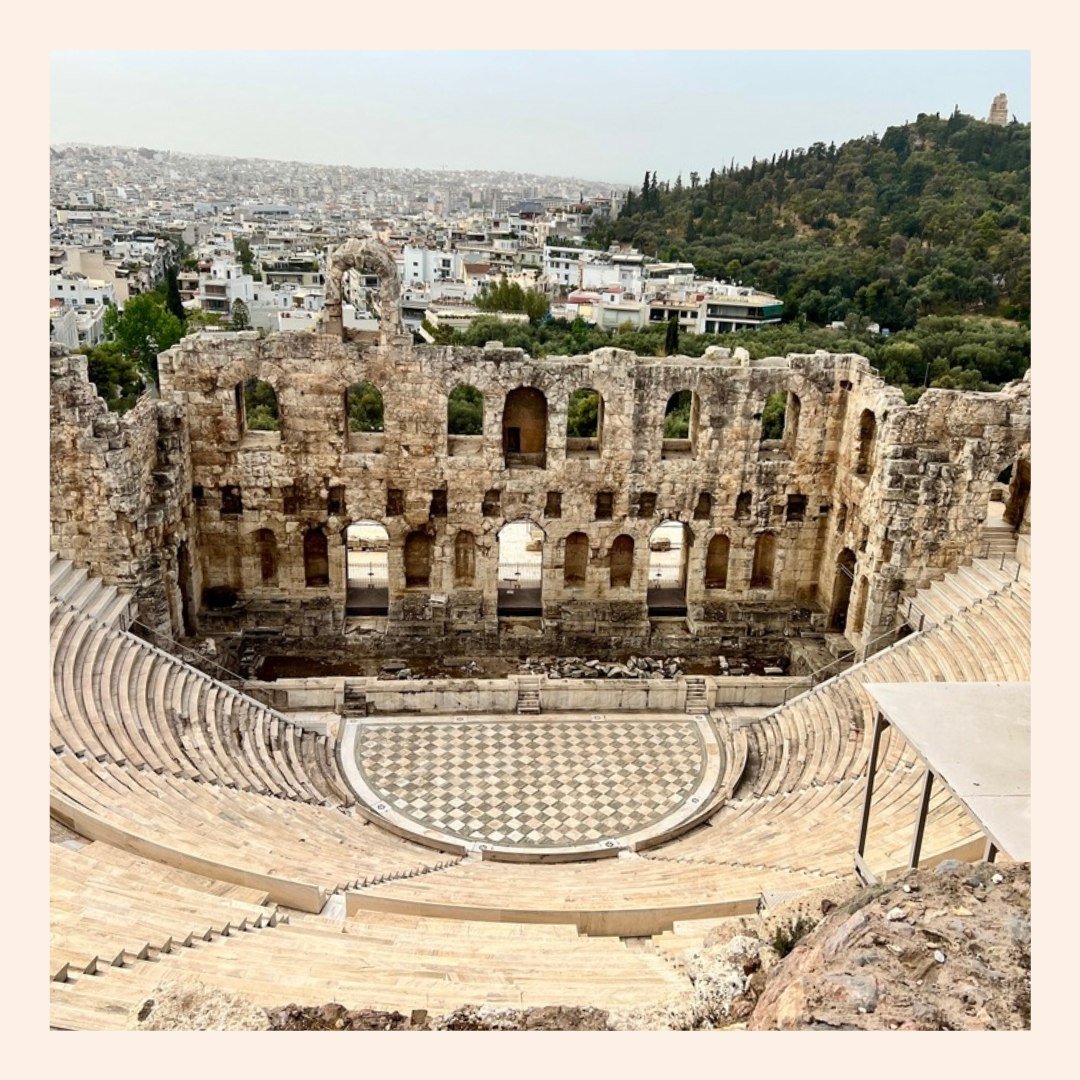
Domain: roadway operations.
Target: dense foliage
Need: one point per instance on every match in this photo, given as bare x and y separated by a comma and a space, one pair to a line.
261, 406
583, 414
465, 411
511, 297
932, 218
365, 408
954, 352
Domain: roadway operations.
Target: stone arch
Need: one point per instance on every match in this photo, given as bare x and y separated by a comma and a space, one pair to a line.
367, 586
316, 558
575, 559
841, 596
680, 419
621, 562
465, 411
774, 417
520, 574
375, 257
867, 435
669, 546
716, 562
464, 557
364, 408
764, 567
417, 559
266, 551
524, 427
584, 421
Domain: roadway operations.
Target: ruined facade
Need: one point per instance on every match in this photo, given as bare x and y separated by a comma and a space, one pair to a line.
220, 528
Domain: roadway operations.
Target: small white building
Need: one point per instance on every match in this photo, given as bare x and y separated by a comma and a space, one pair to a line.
80, 291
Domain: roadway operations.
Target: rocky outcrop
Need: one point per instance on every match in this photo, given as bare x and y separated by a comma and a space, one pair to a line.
948, 949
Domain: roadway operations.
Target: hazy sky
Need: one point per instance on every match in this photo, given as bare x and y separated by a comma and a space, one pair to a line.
597, 115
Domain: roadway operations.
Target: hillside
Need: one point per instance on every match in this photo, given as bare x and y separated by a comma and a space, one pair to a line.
932, 218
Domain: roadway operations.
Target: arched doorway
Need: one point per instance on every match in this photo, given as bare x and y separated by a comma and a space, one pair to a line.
367, 589
621, 562
761, 573
521, 558
841, 594
668, 548
716, 562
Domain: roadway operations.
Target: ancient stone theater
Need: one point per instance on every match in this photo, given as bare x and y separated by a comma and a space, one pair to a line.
405, 718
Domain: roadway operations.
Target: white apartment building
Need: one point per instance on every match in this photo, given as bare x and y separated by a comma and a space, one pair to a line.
79, 291
562, 266
224, 284
425, 266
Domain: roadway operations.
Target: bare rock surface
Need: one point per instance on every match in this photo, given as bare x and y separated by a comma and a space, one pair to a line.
937, 950
179, 1004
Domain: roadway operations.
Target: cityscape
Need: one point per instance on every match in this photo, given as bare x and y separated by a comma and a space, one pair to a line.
497, 600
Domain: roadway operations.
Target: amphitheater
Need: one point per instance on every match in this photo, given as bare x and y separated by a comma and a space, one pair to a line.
495, 834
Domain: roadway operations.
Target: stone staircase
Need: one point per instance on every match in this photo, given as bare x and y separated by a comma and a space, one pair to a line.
354, 701
998, 539
528, 700
106, 603
959, 590
697, 702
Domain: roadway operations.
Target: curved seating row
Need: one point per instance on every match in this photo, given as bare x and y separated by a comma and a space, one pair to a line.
117, 698
387, 962
296, 852
106, 912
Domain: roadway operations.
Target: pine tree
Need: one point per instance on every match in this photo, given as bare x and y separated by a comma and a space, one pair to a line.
172, 297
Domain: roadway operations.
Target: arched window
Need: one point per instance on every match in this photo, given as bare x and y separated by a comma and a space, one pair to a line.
841, 597
316, 560
417, 559
366, 574
520, 576
575, 559
464, 558
465, 411
716, 562
525, 427
584, 422
867, 433
761, 575
261, 411
669, 545
791, 424
773, 415
678, 415
266, 551
621, 561
364, 407
680, 424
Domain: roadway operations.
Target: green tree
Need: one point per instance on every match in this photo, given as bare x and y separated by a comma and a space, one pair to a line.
583, 414
172, 295
365, 408
261, 406
772, 416
116, 376
243, 251
143, 329
239, 319
465, 411
671, 337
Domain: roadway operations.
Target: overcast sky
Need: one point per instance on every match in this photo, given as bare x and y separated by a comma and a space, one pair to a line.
596, 115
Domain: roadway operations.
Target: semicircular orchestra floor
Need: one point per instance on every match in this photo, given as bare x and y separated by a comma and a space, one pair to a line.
570, 785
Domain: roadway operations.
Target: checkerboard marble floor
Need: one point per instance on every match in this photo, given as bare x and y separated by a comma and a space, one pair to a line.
531, 782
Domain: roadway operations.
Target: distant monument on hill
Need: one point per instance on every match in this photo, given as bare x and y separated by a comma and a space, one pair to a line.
999, 110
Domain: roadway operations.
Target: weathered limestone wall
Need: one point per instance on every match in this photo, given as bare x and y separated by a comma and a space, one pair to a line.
921, 510
895, 493
119, 488
287, 479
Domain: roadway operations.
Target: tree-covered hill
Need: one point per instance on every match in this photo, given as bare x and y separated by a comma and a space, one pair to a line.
932, 218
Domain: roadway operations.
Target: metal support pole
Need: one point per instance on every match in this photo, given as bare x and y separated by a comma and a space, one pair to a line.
864, 825
920, 824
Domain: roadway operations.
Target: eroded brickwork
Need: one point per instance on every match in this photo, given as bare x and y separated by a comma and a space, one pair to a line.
895, 493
